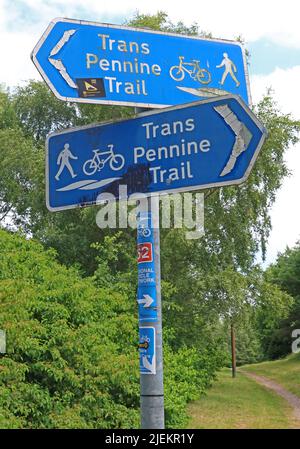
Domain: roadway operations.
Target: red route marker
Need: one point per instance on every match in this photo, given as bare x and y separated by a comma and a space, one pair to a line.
145, 252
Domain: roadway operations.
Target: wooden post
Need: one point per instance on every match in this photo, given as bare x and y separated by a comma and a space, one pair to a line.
233, 351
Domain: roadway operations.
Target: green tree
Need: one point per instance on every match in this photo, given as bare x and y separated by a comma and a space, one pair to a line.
21, 168
161, 22
39, 112
285, 275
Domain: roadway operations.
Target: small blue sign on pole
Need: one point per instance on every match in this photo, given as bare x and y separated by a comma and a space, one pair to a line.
146, 294
147, 350
111, 64
203, 144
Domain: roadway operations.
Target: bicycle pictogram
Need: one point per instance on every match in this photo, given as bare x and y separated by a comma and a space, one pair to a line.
193, 69
143, 230
100, 158
144, 342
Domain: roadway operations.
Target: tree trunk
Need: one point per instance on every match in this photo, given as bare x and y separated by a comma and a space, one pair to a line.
233, 351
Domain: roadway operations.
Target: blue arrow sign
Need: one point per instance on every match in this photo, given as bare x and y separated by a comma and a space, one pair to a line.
109, 64
200, 145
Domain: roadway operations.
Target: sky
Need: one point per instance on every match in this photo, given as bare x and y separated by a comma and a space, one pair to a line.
271, 32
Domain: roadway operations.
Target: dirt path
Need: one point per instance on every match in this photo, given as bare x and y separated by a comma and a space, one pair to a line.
292, 399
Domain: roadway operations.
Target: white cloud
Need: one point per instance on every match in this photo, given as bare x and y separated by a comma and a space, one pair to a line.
270, 18
285, 212
285, 84
16, 65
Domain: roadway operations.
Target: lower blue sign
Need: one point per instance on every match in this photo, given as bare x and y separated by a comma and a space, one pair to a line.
200, 145
147, 350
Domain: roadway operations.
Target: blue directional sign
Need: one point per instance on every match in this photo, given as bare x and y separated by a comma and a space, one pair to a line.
147, 350
109, 64
203, 144
146, 294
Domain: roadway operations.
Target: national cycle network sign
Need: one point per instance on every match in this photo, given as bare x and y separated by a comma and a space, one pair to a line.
108, 64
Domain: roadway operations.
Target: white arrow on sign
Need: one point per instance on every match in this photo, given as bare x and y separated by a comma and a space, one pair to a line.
146, 300
148, 365
242, 136
57, 63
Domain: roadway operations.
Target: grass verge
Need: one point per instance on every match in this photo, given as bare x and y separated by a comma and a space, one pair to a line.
240, 403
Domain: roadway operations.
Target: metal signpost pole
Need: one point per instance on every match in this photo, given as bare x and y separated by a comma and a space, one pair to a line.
152, 387
151, 375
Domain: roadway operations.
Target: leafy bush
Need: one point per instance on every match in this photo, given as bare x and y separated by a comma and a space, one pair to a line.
72, 358
188, 374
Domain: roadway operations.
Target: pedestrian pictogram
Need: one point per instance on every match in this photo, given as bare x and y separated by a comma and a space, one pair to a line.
64, 161
229, 69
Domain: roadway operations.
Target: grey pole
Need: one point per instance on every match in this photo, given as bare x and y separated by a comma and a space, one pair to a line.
152, 387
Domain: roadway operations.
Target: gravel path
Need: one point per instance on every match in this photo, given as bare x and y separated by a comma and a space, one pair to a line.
292, 399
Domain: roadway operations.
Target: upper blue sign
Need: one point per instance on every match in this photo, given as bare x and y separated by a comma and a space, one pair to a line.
203, 144
107, 64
